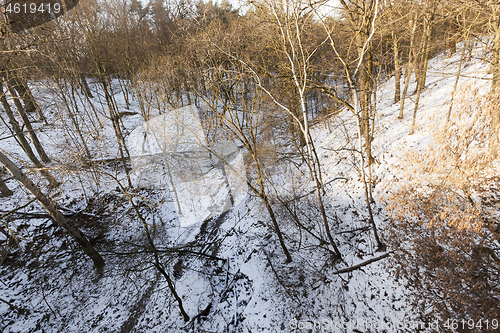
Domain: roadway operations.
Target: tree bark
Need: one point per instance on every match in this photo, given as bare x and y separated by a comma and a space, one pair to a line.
261, 192
380, 245
397, 65
27, 123
51, 209
4, 190
366, 83
409, 68
293, 105
428, 36
448, 116
29, 101
314, 165
22, 140
85, 86
425, 62
113, 113
365, 90
495, 64
397, 69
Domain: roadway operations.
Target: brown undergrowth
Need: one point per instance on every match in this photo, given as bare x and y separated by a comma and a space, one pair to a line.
445, 218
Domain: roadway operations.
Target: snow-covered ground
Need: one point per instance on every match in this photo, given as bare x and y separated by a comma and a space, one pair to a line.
240, 278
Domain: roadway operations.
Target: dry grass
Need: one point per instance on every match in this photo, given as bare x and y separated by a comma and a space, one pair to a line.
445, 219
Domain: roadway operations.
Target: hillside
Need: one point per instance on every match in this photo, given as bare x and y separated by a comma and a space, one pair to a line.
229, 270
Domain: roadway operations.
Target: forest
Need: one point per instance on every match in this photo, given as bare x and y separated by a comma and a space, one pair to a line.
260, 166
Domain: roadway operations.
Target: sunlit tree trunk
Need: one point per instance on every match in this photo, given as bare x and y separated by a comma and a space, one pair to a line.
409, 67
397, 69
292, 47
495, 64
425, 61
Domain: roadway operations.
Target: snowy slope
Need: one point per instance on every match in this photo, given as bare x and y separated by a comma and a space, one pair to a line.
244, 284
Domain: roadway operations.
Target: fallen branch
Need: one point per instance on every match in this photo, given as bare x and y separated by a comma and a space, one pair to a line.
89, 163
353, 230
358, 266
7, 213
311, 192
13, 307
20, 215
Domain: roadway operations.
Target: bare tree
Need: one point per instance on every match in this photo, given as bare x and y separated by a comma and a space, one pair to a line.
51, 209
494, 26
4, 190
409, 64
24, 92
22, 140
250, 133
26, 121
356, 106
430, 11
395, 48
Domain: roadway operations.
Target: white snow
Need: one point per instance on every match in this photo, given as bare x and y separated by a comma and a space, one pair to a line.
250, 288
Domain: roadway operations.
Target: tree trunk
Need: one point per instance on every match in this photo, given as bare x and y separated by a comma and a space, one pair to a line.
113, 113
409, 67
365, 90
462, 58
85, 86
425, 62
261, 192
380, 245
397, 69
314, 172
428, 36
495, 64
124, 89
72, 115
416, 64
397, 65
22, 140
293, 106
29, 101
27, 123
51, 209
366, 105
277, 229
4, 190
